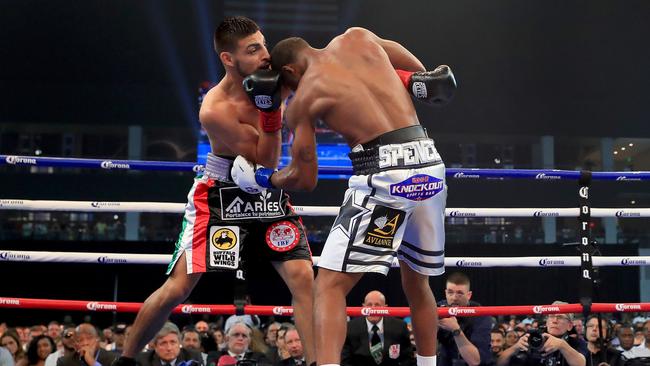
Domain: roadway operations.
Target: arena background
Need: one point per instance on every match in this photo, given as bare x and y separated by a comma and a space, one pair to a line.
534, 68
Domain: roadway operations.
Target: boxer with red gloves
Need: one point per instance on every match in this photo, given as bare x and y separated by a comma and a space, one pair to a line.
224, 226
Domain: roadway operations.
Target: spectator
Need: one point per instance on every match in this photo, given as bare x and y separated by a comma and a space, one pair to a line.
87, 349
625, 337
511, 338
67, 349
191, 339
643, 349
497, 342
11, 340
39, 348
464, 341
598, 343
118, 335
272, 334
557, 347
376, 340
202, 327
54, 331
219, 339
578, 327
167, 349
294, 347
5, 357
238, 339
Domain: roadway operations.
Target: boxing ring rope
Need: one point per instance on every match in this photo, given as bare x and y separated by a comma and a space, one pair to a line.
537, 174
132, 307
584, 212
464, 262
169, 207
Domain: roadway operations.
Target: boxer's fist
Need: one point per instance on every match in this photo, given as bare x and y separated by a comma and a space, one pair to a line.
250, 178
263, 89
435, 87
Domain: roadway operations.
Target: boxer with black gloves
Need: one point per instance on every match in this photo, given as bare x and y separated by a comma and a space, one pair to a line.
395, 203
219, 217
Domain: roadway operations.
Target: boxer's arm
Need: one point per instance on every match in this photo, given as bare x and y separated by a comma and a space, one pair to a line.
241, 138
306, 107
399, 56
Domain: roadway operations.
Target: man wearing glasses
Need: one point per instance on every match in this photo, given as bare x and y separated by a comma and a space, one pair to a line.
238, 338
557, 348
67, 340
466, 340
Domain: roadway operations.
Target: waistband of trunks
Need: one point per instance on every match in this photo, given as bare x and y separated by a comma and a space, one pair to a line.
406, 148
218, 168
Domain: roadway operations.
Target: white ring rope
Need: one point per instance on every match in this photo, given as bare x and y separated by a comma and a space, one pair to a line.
474, 262
169, 207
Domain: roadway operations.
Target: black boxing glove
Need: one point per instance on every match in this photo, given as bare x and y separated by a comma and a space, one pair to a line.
435, 87
263, 89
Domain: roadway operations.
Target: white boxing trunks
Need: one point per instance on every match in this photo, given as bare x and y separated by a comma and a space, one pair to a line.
394, 207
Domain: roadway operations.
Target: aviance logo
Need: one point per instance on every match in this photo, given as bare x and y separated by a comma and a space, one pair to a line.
19, 160
6, 256
281, 310
627, 307
462, 214
546, 214
189, 309
633, 262
464, 263
107, 260
539, 309
107, 164
461, 175
543, 176
371, 311
545, 262
95, 306
459, 311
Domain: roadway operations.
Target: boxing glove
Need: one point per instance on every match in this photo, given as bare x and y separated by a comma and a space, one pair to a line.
435, 87
263, 89
250, 178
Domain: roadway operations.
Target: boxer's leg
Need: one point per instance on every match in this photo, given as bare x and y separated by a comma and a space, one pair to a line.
156, 309
298, 274
330, 322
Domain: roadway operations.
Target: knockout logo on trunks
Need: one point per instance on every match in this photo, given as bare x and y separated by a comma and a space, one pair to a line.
224, 247
237, 204
418, 187
384, 223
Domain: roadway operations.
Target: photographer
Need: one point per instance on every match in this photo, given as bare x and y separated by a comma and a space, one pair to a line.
550, 348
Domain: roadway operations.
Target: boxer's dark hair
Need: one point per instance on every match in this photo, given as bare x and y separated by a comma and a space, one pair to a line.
231, 30
285, 52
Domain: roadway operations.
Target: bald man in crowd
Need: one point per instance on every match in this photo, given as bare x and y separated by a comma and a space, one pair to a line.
375, 340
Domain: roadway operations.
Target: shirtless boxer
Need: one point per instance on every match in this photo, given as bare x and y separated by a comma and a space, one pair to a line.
395, 202
220, 218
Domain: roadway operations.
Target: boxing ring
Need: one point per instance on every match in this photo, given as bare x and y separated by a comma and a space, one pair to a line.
586, 259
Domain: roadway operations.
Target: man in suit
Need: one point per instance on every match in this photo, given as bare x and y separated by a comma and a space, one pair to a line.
238, 338
88, 352
376, 340
167, 350
294, 346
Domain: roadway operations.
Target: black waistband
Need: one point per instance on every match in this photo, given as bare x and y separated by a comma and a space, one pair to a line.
398, 136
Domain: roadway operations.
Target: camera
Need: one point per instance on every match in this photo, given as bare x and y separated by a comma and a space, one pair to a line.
536, 340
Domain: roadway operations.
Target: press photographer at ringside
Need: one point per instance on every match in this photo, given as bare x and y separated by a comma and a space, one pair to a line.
549, 347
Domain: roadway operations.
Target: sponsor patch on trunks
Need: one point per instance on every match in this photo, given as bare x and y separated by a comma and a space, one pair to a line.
282, 236
418, 187
223, 253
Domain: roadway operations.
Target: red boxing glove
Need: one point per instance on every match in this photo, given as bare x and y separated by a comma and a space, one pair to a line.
271, 121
